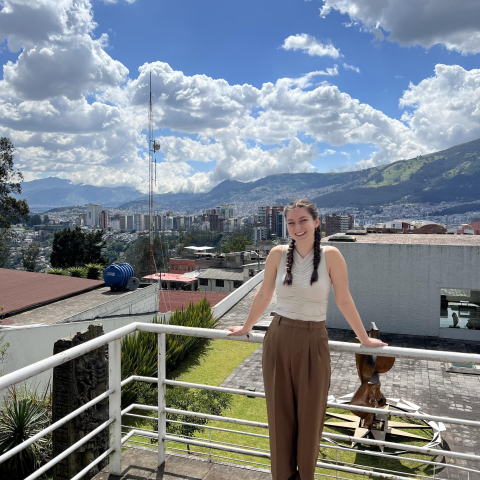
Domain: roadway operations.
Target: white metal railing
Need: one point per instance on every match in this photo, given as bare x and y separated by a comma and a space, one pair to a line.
114, 423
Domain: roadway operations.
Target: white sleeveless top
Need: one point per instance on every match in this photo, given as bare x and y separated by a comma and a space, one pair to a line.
302, 301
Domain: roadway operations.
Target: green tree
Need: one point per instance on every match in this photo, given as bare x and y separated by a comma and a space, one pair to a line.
138, 256
6, 237
30, 257
236, 245
34, 220
74, 248
46, 220
11, 210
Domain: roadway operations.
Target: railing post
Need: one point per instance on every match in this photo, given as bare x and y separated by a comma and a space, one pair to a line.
115, 407
162, 418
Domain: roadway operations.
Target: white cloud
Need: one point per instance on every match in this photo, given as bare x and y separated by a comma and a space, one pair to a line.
310, 45
346, 66
59, 57
455, 25
446, 107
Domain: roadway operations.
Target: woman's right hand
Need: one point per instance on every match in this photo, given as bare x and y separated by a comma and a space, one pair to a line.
236, 331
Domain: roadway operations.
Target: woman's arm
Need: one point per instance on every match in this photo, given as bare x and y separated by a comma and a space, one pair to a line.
264, 295
337, 269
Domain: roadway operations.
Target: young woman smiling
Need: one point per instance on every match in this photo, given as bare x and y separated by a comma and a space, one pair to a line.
296, 358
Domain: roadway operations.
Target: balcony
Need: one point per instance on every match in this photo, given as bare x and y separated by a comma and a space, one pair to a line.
454, 413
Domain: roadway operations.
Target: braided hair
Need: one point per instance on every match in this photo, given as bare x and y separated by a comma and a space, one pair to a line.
316, 246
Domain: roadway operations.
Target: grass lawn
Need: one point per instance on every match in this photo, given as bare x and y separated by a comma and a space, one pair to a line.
212, 364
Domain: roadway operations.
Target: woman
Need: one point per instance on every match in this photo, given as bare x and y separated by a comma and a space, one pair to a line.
296, 359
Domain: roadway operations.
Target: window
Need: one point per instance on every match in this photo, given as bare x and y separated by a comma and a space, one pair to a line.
203, 281
184, 268
459, 308
176, 267
219, 283
237, 283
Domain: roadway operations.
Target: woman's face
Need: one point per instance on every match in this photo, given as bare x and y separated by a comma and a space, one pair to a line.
301, 226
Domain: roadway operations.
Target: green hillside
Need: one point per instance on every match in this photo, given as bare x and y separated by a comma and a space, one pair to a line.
449, 175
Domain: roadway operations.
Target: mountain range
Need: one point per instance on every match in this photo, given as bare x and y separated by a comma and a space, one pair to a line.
446, 176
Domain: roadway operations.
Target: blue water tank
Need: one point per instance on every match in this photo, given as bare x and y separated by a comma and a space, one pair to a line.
116, 276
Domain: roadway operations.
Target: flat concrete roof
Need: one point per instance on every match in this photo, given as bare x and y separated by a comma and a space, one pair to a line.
412, 239
56, 311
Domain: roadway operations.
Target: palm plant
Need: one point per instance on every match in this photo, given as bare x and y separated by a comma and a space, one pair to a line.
140, 349
23, 416
57, 271
77, 272
94, 271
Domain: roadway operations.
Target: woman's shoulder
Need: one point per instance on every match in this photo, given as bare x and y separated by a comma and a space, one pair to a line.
278, 250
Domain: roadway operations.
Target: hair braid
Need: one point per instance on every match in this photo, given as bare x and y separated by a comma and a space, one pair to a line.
288, 267
316, 255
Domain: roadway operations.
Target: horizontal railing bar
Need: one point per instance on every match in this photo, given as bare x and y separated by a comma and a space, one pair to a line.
243, 451
74, 352
54, 426
69, 450
239, 391
127, 436
335, 436
60, 358
397, 352
80, 475
207, 454
322, 445
396, 457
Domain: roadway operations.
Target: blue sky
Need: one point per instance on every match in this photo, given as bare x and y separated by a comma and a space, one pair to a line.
241, 89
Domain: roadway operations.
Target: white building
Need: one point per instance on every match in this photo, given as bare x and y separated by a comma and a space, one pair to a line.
138, 222
94, 213
130, 223
397, 280
259, 234
230, 225
225, 210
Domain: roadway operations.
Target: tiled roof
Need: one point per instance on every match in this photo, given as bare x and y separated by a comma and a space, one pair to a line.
21, 290
412, 239
176, 299
223, 273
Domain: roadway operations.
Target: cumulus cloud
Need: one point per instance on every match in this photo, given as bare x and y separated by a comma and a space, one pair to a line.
59, 58
444, 109
310, 45
455, 25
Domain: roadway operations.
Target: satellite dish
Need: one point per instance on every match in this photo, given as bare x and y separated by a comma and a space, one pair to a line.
156, 146
133, 283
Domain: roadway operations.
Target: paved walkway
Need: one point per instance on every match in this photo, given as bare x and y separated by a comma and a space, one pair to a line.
141, 464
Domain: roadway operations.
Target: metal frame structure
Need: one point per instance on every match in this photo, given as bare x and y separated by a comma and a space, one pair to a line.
114, 423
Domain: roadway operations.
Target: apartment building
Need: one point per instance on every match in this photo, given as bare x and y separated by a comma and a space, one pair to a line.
338, 223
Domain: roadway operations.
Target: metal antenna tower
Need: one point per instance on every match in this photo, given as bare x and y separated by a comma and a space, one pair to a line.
153, 146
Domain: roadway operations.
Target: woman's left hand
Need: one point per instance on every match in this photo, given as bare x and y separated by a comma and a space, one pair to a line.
373, 342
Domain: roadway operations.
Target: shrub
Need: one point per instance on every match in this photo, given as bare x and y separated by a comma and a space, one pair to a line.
200, 401
57, 271
77, 272
139, 350
94, 270
24, 415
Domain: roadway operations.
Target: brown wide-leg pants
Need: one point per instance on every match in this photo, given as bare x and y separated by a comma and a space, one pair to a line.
296, 374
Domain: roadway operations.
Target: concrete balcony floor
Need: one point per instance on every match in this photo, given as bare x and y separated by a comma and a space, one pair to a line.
141, 464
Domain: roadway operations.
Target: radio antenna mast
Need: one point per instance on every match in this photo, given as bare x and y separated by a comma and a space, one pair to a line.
153, 146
